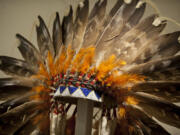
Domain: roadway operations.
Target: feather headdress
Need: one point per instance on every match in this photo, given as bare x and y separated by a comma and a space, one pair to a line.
116, 60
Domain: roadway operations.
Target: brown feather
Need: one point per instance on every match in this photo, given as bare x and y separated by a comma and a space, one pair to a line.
12, 120
151, 126
57, 34
43, 38
95, 23
168, 90
29, 52
80, 25
159, 47
162, 110
67, 28
15, 66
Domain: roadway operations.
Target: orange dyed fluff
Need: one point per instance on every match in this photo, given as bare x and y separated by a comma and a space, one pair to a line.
77, 60
60, 60
122, 112
87, 60
82, 62
70, 54
131, 100
123, 79
105, 67
51, 65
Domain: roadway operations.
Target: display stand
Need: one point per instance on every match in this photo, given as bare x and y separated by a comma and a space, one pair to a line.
84, 117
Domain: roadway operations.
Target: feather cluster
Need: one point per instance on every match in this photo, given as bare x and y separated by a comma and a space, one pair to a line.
135, 69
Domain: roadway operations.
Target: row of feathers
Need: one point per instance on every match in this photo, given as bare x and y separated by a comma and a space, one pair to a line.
120, 33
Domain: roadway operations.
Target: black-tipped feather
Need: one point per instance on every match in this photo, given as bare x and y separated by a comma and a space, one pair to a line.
95, 23
19, 81
114, 10
28, 127
127, 126
151, 67
162, 110
12, 120
9, 92
133, 20
116, 23
29, 52
57, 34
138, 43
14, 102
137, 15
15, 87
80, 24
67, 28
159, 47
144, 121
171, 74
15, 66
44, 40
127, 45
169, 90
112, 45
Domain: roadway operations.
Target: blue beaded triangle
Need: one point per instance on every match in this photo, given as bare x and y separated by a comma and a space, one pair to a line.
98, 95
62, 88
72, 89
85, 91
